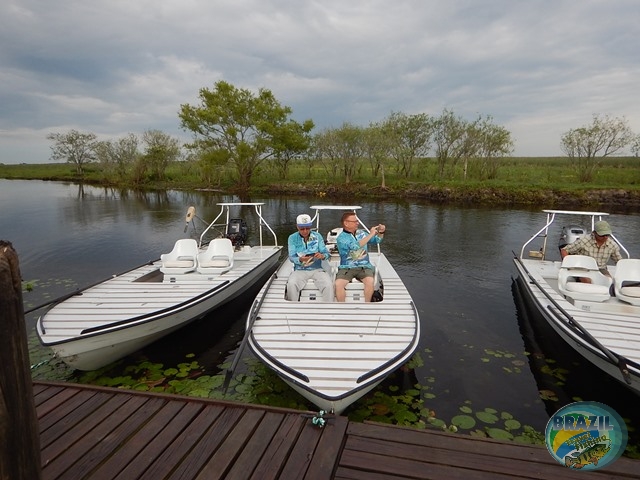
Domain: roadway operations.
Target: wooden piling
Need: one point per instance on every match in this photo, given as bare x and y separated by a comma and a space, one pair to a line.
19, 430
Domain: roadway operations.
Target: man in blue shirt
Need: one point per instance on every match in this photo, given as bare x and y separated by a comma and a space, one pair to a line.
307, 250
354, 257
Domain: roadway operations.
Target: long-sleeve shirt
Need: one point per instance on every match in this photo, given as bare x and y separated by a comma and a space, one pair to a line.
351, 253
298, 247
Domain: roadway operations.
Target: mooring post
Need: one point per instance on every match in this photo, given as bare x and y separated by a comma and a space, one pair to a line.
19, 432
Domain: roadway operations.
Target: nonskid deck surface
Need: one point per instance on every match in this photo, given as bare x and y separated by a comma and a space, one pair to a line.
613, 323
329, 345
128, 296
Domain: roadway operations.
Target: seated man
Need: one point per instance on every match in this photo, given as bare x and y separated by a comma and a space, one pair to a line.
306, 251
354, 257
597, 245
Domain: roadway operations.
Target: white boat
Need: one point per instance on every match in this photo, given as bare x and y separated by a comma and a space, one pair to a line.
105, 322
600, 319
334, 353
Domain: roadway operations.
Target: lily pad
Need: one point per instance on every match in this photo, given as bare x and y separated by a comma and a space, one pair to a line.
463, 421
499, 434
487, 417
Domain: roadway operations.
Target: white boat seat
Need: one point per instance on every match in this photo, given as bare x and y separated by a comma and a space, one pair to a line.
182, 259
354, 291
627, 280
310, 292
575, 267
217, 258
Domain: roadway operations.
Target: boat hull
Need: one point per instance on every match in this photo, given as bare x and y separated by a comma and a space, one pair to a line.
605, 333
126, 313
334, 353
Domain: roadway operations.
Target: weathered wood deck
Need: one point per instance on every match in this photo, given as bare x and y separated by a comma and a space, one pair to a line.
99, 433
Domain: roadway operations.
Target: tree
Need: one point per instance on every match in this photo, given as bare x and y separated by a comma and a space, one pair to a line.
410, 139
160, 151
74, 147
605, 136
291, 141
451, 137
377, 147
635, 145
492, 142
118, 156
248, 127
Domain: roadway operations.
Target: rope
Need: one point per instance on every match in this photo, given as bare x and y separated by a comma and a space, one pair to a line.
318, 420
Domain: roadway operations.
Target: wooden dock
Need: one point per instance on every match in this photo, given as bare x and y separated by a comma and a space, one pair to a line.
91, 432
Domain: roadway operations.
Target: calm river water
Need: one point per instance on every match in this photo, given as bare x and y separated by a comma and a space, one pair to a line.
478, 349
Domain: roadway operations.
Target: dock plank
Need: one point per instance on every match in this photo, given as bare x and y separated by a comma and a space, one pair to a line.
181, 445
230, 450
94, 433
270, 465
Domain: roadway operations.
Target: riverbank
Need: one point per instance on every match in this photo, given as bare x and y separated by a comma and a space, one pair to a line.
614, 199
540, 183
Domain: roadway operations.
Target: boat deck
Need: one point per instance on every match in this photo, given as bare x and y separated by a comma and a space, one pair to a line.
333, 349
101, 433
136, 294
613, 322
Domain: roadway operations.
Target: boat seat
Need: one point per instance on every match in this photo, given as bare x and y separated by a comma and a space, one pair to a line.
627, 280
182, 259
217, 258
575, 267
354, 291
309, 292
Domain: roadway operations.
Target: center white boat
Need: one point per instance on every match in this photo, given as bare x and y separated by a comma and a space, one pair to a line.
334, 353
600, 318
93, 327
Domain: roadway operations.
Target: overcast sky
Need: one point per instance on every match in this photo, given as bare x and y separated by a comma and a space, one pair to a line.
113, 67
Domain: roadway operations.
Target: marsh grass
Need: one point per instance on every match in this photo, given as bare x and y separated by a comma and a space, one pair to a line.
516, 176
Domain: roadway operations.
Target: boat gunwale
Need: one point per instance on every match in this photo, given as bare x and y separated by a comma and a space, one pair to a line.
570, 326
154, 316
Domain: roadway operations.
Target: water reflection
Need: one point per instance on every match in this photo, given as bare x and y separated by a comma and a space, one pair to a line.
563, 376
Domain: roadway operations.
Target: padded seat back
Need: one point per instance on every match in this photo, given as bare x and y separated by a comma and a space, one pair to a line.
218, 257
182, 259
576, 267
627, 280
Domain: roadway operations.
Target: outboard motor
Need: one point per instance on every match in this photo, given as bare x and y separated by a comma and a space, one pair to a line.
570, 234
237, 232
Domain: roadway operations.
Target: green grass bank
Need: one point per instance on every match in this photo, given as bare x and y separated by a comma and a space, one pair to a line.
548, 182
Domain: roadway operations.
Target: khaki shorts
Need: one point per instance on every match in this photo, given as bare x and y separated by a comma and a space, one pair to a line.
351, 273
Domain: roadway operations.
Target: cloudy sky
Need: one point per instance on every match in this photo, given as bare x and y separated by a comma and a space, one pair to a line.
538, 67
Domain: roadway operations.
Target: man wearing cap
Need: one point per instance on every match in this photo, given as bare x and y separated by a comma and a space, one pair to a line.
597, 245
307, 250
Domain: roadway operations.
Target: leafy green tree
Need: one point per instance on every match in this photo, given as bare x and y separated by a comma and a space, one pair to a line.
341, 150
377, 147
74, 147
494, 143
635, 145
289, 142
117, 156
604, 137
410, 139
452, 136
161, 149
248, 127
